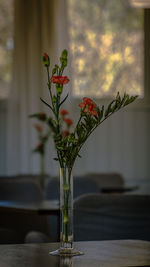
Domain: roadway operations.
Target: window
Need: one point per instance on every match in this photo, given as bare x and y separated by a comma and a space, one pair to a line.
106, 41
6, 45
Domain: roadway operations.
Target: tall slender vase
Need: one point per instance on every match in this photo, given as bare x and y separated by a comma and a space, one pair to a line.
66, 209
66, 215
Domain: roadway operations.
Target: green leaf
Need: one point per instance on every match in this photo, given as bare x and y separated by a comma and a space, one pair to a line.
52, 126
109, 108
127, 100
54, 99
63, 63
61, 148
116, 105
49, 85
64, 54
118, 97
100, 113
59, 89
53, 71
63, 59
33, 115
56, 159
63, 100
46, 103
40, 116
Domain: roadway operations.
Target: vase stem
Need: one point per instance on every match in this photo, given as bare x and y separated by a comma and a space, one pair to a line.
66, 207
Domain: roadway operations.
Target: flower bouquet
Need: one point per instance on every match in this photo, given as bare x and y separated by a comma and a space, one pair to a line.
69, 143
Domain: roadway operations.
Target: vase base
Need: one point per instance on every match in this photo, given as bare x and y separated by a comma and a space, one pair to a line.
69, 252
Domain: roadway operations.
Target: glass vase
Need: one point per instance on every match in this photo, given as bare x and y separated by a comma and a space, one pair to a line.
66, 215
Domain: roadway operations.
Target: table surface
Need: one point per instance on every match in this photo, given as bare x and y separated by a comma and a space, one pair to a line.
118, 189
41, 207
117, 253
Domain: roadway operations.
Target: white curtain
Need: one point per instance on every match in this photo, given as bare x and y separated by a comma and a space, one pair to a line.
40, 26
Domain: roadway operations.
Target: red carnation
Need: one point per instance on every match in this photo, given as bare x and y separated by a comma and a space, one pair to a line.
64, 112
65, 133
59, 79
68, 121
86, 101
46, 56
39, 148
88, 106
38, 128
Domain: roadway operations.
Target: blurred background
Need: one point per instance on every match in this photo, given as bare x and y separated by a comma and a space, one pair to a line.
108, 44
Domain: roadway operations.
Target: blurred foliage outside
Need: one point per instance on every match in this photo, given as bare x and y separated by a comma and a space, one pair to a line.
107, 45
6, 45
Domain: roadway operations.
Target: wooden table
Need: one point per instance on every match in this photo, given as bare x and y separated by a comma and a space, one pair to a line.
97, 254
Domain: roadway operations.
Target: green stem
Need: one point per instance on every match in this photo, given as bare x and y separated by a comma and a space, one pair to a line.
42, 171
57, 113
79, 121
50, 89
55, 109
66, 192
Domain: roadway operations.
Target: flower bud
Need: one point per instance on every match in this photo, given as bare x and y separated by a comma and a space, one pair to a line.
46, 60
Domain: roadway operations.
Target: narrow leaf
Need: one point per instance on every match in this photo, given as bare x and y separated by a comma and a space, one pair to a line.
46, 103
56, 159
33, 115
63, 100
